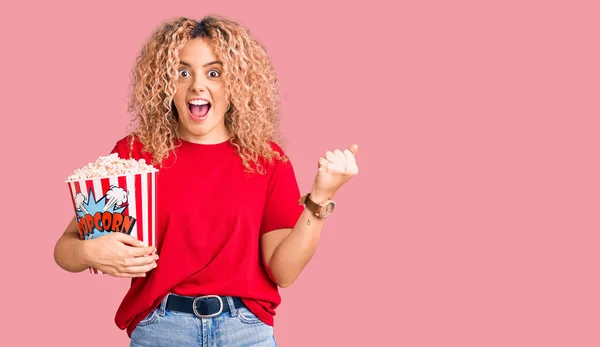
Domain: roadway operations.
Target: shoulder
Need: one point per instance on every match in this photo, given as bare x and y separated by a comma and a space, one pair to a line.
270, 160
129, 147
122, 144
278, 156
277, 148
279, 161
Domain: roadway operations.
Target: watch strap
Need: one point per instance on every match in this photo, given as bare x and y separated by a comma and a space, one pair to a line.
311, 205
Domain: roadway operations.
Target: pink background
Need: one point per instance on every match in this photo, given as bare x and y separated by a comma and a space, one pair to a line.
474, 219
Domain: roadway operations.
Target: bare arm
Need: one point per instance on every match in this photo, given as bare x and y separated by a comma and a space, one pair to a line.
68, 252
116, 254
287, 251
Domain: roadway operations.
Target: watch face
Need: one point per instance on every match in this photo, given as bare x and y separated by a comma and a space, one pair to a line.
327, 209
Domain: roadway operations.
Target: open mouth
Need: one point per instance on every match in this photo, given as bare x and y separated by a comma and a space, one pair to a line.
198, 108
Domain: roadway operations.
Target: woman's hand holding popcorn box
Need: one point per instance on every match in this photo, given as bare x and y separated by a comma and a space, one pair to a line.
115, 195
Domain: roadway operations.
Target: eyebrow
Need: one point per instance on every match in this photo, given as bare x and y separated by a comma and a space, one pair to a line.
205, 65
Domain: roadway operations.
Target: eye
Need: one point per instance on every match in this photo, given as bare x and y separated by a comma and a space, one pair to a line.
214, 74
184, 73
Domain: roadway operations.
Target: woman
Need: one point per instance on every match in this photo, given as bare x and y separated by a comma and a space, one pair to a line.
232, 226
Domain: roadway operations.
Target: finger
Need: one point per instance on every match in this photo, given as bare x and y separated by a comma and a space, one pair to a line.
353, 149
339, 155
330, 156
129, 275
138, 270
116, 273
326, 166
142, 251
140, 261
335, 167
129, 240
323, 162
341, 167
350, 158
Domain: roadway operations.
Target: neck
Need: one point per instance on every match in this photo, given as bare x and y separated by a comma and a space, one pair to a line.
213, 137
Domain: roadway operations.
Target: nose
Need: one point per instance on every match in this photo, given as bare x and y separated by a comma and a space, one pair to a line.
198, 85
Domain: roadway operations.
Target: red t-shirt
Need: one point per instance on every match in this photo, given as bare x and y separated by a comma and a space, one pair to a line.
210, 215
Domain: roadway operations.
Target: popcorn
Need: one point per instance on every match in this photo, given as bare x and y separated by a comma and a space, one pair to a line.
111, 165
115, 195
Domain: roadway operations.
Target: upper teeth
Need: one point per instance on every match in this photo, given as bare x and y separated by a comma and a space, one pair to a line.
198, 102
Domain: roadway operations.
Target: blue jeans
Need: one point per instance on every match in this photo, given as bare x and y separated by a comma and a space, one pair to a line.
236, 327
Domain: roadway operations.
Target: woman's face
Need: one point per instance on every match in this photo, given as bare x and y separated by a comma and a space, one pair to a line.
200, 96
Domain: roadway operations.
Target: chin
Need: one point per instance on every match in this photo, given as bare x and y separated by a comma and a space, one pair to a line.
196, 129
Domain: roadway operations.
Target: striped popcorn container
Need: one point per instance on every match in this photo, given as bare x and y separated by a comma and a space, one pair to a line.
124, 203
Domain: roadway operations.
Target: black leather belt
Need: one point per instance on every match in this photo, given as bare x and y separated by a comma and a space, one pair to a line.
205, 306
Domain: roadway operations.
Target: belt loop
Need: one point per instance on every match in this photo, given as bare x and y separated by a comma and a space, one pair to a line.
231, 305
163, 305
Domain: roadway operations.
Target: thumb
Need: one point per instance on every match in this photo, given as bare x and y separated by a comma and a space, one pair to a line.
353, 149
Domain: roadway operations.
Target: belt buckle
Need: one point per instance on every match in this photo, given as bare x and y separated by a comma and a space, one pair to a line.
207, 315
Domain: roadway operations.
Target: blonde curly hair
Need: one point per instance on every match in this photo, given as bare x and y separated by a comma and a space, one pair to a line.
250, 83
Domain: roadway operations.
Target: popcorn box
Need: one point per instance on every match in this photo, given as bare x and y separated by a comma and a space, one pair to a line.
123, 203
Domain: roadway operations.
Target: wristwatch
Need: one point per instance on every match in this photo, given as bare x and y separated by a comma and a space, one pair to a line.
322, 209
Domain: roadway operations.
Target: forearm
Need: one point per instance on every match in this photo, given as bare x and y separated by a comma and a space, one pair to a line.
69, 253
296, 250
286, 253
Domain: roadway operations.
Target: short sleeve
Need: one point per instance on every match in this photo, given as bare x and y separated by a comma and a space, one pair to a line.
125, 150
117, 150
121, 149
281, 206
